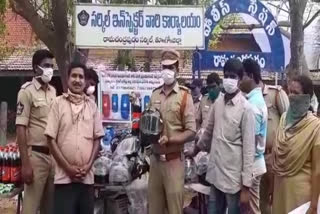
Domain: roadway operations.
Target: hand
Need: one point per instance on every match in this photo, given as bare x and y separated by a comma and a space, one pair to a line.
27, 173
85, 169
312, 210
244, 196
163, 140
74, 172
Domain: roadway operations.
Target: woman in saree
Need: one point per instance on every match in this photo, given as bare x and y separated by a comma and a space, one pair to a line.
296, 153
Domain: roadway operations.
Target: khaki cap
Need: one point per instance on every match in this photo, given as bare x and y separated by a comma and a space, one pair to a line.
169, 56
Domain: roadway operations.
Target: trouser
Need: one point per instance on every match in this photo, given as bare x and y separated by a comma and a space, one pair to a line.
220, 201
265, 188
254, 200
166, 186
39, 194
74, 198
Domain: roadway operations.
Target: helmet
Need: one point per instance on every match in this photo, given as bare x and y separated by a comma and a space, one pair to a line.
151, 126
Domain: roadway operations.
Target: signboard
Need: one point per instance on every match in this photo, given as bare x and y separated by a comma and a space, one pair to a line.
218, 59
211, 60
116, 86
139, 27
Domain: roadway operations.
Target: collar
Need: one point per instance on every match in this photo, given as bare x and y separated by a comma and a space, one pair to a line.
66, 95
254, 92
175, 89
265, 90
235, 99
38, 86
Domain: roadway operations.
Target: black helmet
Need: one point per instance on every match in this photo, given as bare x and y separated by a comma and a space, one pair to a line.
151, 126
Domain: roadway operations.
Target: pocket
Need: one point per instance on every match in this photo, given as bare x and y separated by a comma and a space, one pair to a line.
232, 129
41, 109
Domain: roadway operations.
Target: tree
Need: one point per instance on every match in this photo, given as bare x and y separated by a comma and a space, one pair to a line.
50, 20
297, 64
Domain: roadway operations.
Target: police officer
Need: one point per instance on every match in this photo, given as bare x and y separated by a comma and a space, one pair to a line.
277, 103
33, 106
166, 181
213, 91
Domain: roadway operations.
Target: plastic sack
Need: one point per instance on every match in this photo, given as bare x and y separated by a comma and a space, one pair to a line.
201, 161
190, 171
101, 166
137, 193
127, 146
119, 171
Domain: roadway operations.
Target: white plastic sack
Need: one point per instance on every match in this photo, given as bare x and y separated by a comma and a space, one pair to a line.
201, 162
190, 171
127, 146
119, 171
137, 193
101, 166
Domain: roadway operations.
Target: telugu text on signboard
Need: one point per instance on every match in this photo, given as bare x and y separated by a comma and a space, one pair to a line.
141, 27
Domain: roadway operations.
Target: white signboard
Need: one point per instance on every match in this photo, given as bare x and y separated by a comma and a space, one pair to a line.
116, 87
140, 27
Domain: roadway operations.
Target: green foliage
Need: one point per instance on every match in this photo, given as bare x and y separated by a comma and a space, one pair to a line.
125, 60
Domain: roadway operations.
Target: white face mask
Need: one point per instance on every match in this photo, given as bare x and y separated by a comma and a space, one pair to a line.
90, 90
47, 74
168, 76
230, 85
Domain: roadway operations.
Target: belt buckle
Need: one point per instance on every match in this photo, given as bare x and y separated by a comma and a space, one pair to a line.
162, 158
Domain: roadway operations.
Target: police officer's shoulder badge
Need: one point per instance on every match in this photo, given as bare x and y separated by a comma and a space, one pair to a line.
20, 108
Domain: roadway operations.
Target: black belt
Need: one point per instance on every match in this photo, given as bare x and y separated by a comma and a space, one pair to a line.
41, 149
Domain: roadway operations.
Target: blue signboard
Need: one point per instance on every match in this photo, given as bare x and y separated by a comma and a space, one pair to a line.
213, 60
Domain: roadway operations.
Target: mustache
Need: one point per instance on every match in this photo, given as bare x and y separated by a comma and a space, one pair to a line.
76, 84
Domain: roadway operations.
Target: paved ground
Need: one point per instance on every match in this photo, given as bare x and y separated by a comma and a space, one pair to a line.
8, 206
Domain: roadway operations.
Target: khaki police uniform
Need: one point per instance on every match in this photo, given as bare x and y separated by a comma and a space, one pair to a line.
277, 103
205, 105
166, 181
33, 106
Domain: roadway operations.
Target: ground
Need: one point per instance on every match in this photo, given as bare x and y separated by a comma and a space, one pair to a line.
8, 206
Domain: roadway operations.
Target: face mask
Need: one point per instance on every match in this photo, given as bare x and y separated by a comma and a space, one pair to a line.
168, 76
90, 90
230, 85
47, 74
299, 106
214, 93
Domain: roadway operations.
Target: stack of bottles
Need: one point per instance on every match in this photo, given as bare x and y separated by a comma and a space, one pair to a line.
10, 165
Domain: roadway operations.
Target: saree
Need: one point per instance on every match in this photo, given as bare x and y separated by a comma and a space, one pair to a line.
292, 163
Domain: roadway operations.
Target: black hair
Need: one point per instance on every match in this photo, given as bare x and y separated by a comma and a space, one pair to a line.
77, 65
306, 84
92, 75
40, 55
213, 78
234, 66
252, 68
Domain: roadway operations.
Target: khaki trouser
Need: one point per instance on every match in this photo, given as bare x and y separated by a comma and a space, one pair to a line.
39, 194
254, 200
166, 186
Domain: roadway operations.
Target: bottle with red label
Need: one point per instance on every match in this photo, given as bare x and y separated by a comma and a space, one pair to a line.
6, 167
1, 163
15, 168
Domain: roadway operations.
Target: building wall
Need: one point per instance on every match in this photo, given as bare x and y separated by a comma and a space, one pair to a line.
18, 31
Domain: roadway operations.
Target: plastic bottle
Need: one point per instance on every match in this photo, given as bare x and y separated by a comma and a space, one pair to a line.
1, 163
146, 101
15, 172
6, 169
